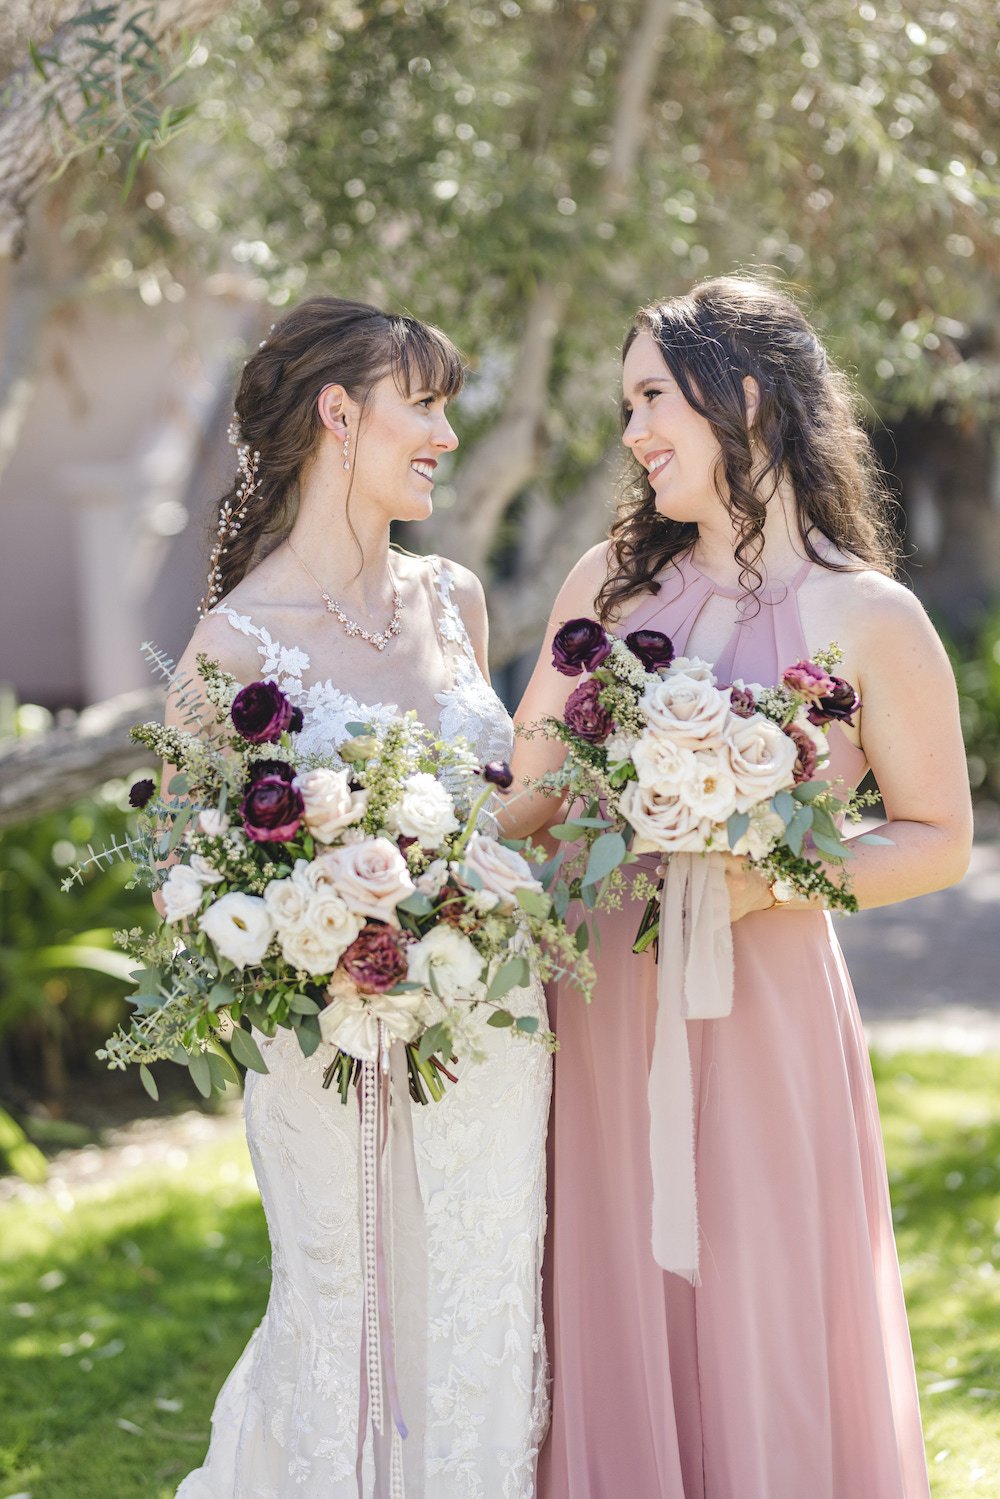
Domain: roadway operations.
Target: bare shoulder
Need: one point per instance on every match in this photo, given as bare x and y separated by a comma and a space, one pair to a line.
583, 583
216, 636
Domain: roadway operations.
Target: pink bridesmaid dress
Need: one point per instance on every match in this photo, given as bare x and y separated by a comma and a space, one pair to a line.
787, 1372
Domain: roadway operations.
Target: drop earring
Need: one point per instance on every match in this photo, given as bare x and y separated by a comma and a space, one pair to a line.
347, 461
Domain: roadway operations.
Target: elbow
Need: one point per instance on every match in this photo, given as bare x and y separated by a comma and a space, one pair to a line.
954, 855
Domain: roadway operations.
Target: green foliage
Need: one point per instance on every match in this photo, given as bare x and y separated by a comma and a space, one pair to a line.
62, 983
977, 671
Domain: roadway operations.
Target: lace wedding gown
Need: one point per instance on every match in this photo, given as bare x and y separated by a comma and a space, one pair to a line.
466, 1260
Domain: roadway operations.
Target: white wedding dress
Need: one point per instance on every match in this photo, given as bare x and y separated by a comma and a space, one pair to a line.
466, 1251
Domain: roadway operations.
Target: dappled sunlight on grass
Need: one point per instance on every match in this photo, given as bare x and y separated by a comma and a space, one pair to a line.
121, 1313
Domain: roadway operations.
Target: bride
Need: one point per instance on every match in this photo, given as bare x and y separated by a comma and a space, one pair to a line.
341, 420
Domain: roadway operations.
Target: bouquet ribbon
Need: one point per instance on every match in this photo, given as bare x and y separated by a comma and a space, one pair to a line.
694, 981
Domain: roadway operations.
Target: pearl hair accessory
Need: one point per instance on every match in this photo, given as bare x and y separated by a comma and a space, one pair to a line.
230, 516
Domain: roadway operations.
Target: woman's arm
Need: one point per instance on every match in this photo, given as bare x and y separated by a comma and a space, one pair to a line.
545, 695
912, 739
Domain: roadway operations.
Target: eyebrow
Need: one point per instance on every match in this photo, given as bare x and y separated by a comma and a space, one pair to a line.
640, 385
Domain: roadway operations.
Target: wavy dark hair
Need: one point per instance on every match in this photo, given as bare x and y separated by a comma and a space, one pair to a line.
322, 341
806, 429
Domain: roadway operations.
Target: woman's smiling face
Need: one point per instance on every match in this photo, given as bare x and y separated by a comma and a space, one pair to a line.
676, 446
397, 448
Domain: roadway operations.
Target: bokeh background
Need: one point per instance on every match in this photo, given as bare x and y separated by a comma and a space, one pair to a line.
525, 173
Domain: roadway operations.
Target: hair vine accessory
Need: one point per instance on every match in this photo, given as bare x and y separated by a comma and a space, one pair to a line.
230, 518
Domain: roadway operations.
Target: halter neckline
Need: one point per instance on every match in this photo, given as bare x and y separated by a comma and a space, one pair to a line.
768, 592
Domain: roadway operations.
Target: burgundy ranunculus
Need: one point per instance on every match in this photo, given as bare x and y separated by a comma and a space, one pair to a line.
838, 706
272, 810
499, 774
141, 793
584, 714
260, 768
296, 721
805, 764
580, 645
375, 960
809, 679
261, 713
742, 702
653, 648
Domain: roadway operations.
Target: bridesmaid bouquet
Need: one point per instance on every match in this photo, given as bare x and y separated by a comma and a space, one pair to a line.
354, 900
666, 759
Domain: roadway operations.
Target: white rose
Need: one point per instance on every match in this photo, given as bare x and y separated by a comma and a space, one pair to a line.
212, 823
455, 962
182, 892
239, 927
206, 872
663, 824
287, 902
319, 874
761, 757
371, 877
425, 811
693, 667
710, 788
662, 764
692, 711
502, 870
334, 922
619, 747
350, 1019
762, 834
329, 803
306, 948
433, 879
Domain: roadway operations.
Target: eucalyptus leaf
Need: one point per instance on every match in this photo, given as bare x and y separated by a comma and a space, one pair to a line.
201, 1073
605, 855
810, 790
244, 1048
527, 1023
308, 1035
737, 826
827, 845
356, 729
797, 828
873, 838
560, 899
582, 937
535, 902
148, 1082
513, 974
220, 995
416, 904
784, 804
180, 785
501, 1019
434, 1038
301, 1004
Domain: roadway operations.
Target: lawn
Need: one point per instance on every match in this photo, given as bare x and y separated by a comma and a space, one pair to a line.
122, 1311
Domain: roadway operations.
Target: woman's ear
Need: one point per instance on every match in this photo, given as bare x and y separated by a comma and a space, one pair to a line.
751, 399
332, 404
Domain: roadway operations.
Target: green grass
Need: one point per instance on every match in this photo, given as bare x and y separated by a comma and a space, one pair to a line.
121, 1313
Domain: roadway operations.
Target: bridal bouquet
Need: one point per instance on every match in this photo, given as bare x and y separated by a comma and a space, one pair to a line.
355, 900
666, 759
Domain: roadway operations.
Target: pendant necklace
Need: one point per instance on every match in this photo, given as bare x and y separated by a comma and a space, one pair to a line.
379, 639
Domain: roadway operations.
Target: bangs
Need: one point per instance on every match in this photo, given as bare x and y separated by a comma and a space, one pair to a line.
424, 358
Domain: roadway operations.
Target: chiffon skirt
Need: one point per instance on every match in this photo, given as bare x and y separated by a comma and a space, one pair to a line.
787, 1373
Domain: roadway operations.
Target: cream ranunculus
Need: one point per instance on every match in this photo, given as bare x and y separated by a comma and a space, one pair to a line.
763, 832
425, 811
329, 803
206, 872
239, 926
693, 667
762, 759
710, 787
287, 902
455, 962
691, 711
308, 949
663, 824
350, 1019
182, 892
662, 764
334, 922
618, 747
502, 870
212, 822
371, 877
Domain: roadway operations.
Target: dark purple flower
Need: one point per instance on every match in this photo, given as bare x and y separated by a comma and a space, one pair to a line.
141, 793
375, 960
580, 645
653, 648
261, 713
809, 679
584, 715
742, 702
499, 774
260, 768
296, 721
805, 764
839, 705
272, 810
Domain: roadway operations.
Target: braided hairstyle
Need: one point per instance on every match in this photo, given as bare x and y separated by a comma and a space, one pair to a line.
322, 341
805, 429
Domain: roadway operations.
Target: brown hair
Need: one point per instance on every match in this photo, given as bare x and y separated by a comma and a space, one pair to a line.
805, 427
323, 341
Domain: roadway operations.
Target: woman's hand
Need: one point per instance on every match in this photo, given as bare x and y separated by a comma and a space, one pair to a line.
749, 890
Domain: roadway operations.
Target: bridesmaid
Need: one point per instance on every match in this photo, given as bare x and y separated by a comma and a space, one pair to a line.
753, 533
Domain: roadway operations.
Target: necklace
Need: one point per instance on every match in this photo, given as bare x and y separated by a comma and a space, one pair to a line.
377, 638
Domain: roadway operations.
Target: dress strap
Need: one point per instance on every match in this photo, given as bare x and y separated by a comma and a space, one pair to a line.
279, 663
455, 639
